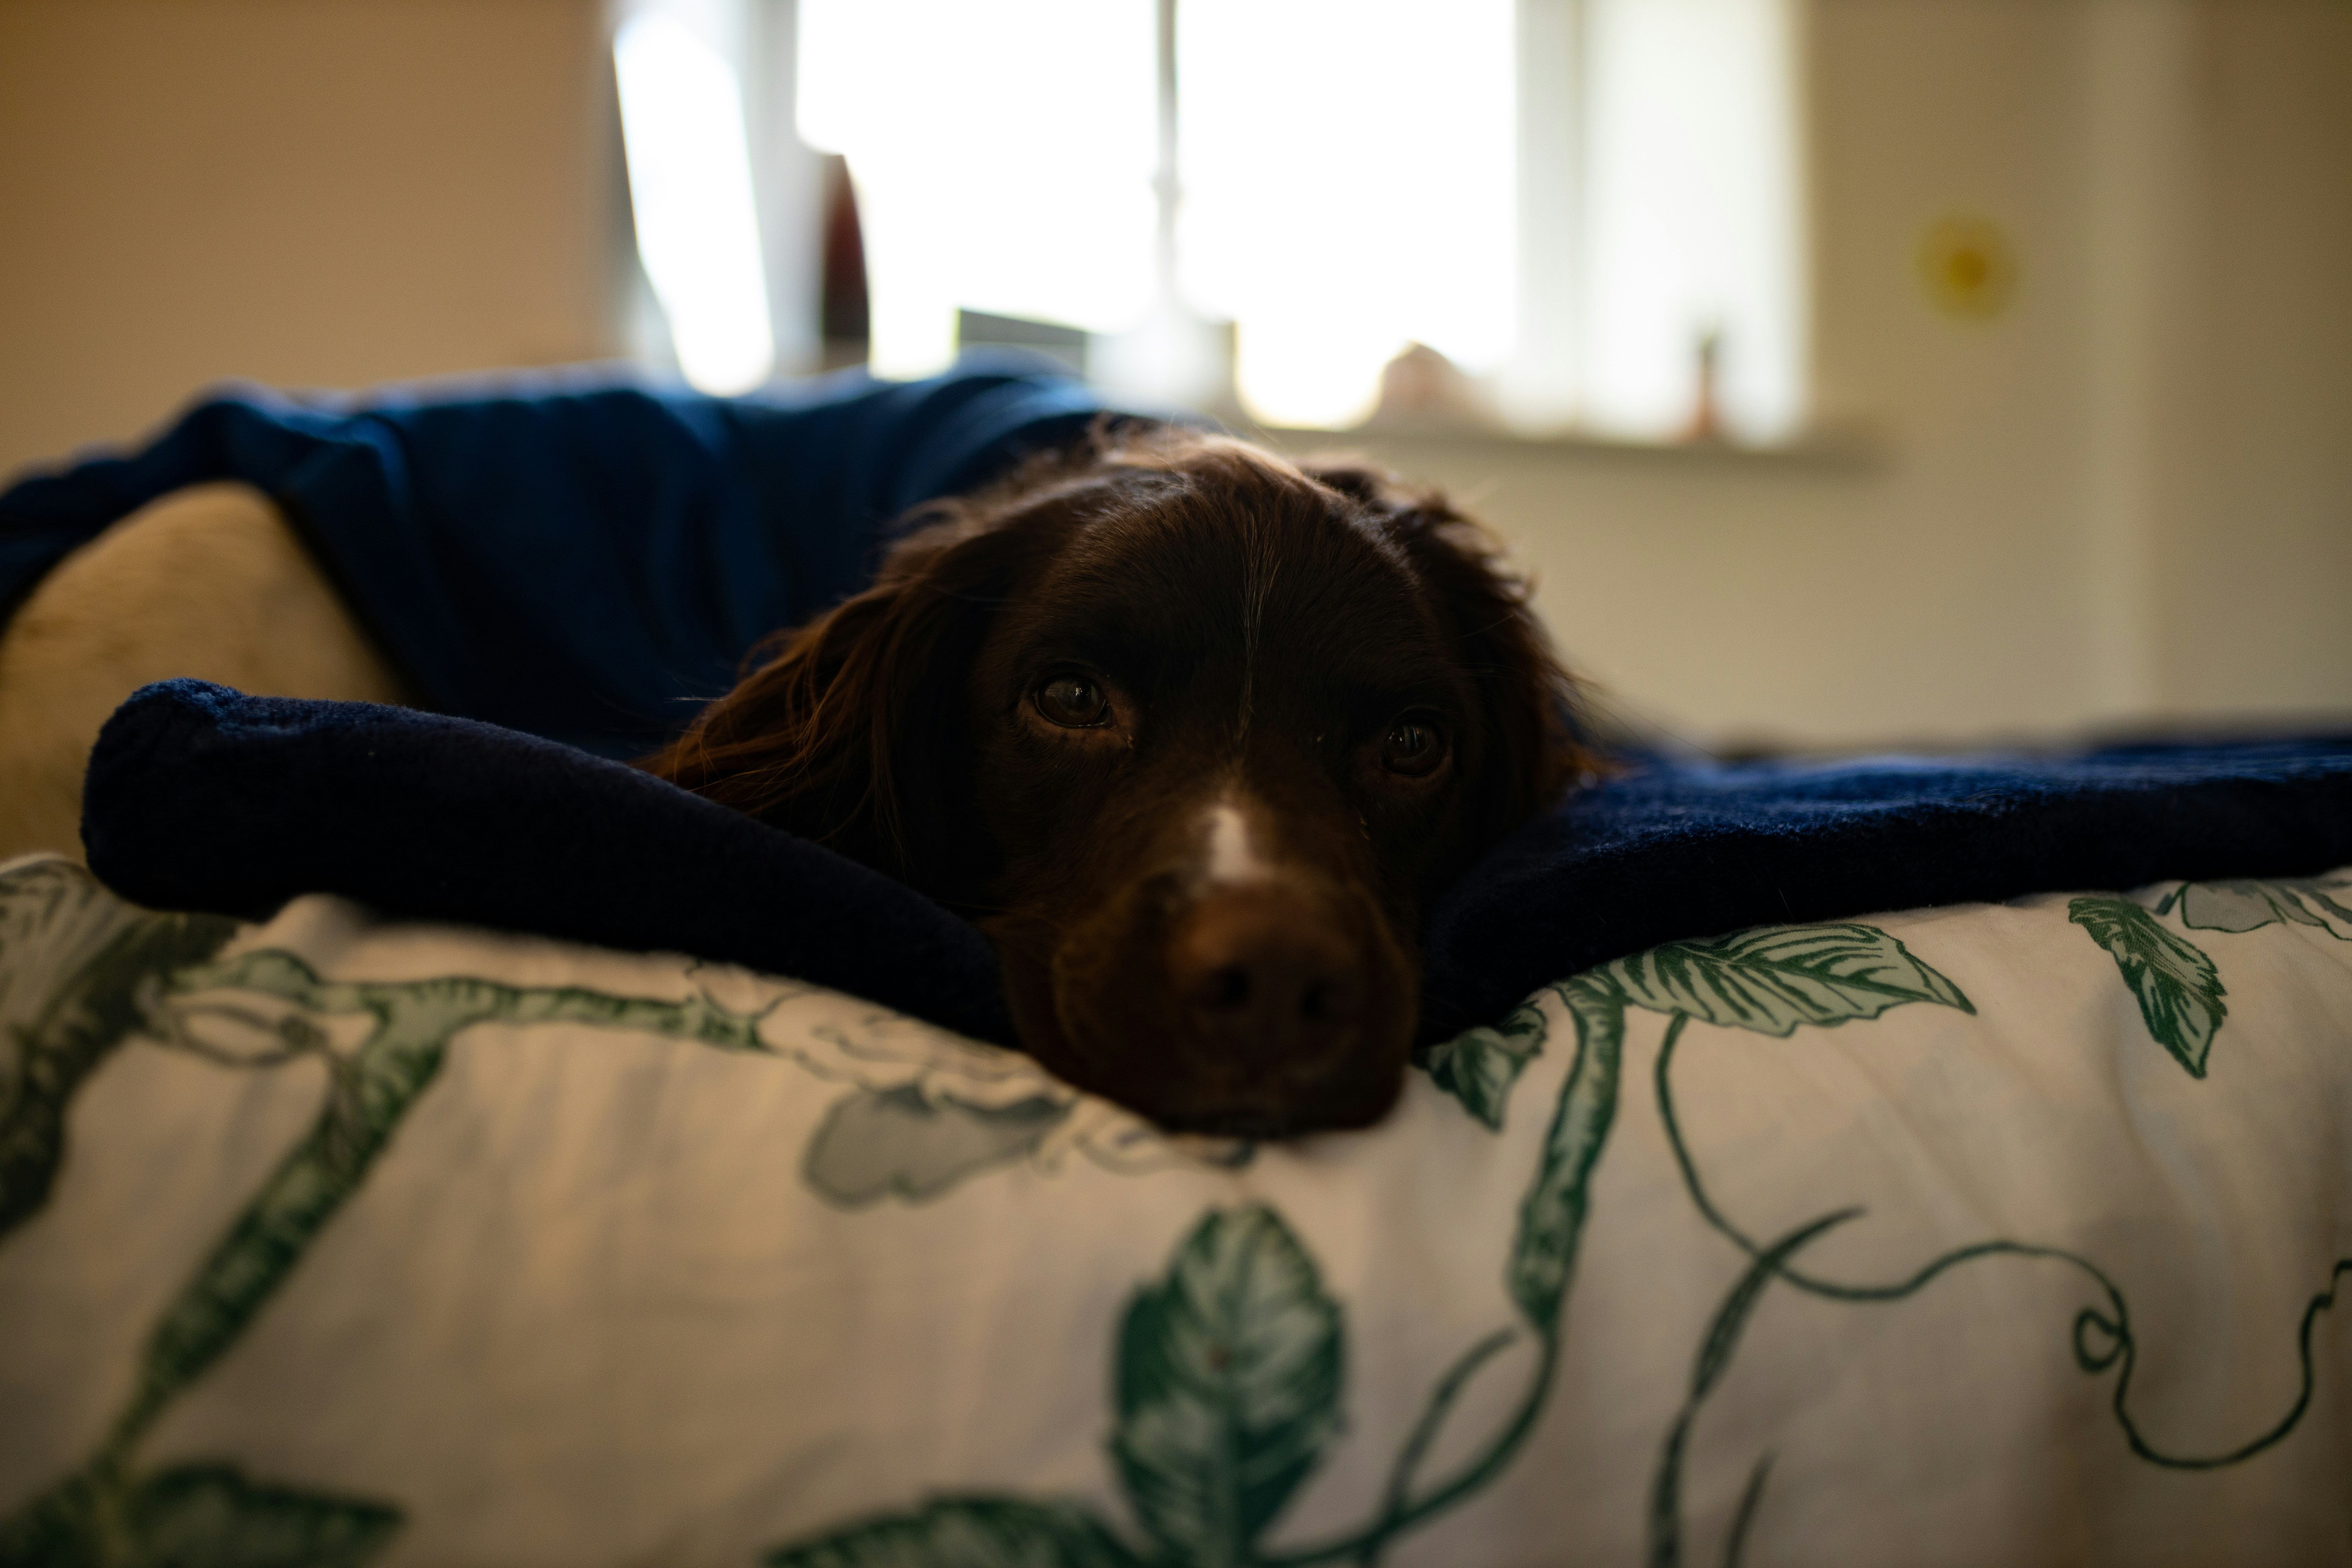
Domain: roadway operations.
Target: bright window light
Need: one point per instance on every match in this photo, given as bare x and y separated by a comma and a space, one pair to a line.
1003, 155
1347, 172
691, 183
1349, 177
1691, 217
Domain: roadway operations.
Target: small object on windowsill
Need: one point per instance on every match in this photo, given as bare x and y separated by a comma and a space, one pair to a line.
1421, 388
845, 313
1427, 401
1705, 427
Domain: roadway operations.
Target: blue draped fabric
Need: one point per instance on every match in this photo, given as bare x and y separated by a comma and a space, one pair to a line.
202, 798
577, 554
575, 560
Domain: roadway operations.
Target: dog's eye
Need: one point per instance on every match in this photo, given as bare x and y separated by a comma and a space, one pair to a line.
1074, 702
1412, 748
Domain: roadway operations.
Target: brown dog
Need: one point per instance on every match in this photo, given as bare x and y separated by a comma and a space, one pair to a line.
1194, 733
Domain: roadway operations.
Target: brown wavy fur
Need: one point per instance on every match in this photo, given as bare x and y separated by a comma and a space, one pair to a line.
847, 730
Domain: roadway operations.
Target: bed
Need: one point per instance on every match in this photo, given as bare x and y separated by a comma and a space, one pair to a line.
426, 1140
1997, 1233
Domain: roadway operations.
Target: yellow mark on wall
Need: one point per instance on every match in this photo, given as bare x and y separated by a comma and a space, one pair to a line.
1968, 268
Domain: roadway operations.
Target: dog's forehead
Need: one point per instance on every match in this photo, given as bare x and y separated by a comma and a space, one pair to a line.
1200, 566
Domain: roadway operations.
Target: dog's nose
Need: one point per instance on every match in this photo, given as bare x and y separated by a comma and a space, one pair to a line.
1269, 972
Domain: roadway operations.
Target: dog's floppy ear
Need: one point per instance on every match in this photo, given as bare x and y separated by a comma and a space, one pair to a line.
1529, 704
833, 714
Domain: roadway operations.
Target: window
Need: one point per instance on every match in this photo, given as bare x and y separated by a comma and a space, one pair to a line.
1691, 222
1003, 151
691, 194
1347, 169
1591, 209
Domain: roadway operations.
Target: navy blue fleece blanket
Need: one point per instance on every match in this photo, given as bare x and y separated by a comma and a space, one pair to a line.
578, 561
580, 554
202, 798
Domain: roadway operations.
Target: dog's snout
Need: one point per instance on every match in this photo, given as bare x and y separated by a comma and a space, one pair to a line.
1257, 1009
1270, 974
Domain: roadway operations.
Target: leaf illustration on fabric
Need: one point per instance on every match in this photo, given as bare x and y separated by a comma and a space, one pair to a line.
1551, 1218
1478, 1066
903, 1143
1228, 1384
968, 1532
370, 1090
1772, 979
76, 966
1229, 1371
2249, 905
368, 1094
1228, 1387
1714, 1359
2178, 991
206, 1515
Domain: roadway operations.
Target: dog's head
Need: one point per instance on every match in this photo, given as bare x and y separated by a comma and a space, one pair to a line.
1194, 733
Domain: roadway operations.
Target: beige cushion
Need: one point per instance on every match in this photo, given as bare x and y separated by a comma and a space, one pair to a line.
208, 581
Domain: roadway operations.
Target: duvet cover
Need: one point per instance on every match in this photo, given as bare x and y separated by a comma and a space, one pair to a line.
1987, 1233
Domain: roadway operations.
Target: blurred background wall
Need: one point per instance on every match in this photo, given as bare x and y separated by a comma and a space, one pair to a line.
306, 192
2124, 499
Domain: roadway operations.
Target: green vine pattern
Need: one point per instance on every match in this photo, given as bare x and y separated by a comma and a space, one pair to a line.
107, 1514
82, 966
2178, 990
1228, 1373
1263, 1337
1230, 1367
2102, 1339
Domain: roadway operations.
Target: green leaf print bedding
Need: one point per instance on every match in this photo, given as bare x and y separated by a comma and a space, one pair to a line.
2000, 1234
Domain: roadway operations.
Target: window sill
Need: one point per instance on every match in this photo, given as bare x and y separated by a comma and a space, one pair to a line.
1840, 450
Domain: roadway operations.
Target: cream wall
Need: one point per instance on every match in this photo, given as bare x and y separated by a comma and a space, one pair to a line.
2128, 498
2253, 594
302, 191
